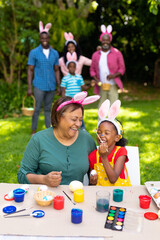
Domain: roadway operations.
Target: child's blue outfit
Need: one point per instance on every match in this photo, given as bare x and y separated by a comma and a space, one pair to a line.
72, 84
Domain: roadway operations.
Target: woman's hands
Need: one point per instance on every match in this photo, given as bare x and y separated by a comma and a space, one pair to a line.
53, 179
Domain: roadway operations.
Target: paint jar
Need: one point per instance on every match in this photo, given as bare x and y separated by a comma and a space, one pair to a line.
58, 202
19, 195
144, 201
102, 201
118, 195
76, 215
79, 195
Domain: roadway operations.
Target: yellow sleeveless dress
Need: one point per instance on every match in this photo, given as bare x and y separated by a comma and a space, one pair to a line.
102, 177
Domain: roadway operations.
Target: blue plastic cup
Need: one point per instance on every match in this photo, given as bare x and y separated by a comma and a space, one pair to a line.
19, 195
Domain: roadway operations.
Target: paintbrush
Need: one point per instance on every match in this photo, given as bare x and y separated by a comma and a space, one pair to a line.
24, 215
100, 139
69, 198
21, 210
98, 136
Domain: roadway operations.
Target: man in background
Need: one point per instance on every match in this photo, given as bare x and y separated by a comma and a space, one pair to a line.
107, 67
43, 69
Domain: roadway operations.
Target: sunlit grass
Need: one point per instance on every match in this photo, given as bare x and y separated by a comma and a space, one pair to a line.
140, 119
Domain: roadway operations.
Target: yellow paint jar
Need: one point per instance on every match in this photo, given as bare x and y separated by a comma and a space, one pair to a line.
79, 195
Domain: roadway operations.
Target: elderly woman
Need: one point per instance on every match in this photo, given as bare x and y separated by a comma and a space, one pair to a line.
59, 154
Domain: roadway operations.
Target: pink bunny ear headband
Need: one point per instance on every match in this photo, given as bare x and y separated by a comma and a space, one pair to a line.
46, 29
112, 113
69, 38
71, 58
105, 30
81, 99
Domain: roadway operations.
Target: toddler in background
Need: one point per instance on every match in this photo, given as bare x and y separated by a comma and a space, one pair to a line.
110, 158
73, 83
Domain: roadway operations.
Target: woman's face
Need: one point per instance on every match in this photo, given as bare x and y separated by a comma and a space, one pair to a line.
70, 122
71, 48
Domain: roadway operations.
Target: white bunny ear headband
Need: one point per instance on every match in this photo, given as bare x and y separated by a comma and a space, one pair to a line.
105, 30
80, 98
69, 38
71, 58
112, 112
46, 28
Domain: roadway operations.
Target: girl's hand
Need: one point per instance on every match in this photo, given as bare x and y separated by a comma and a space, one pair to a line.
93, 179
53, 179
103, 149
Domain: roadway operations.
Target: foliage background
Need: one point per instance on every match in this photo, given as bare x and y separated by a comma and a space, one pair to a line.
136, 32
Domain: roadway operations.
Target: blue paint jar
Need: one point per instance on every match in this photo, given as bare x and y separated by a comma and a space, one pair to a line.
76, 215
19, 195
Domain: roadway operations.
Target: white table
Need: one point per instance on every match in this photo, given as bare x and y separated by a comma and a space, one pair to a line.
57, 224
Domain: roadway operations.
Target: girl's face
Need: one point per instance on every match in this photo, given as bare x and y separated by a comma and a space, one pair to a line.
107, 134
71, 48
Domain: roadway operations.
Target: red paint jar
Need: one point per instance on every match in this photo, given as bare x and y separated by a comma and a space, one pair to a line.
144, 201
58, 202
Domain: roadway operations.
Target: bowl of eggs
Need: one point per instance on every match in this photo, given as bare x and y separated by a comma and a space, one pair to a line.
44, 198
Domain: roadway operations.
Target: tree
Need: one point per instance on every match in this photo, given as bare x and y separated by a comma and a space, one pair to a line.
19, 29
153, 6
16, 28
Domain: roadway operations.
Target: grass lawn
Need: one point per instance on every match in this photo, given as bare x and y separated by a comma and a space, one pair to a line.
140, 115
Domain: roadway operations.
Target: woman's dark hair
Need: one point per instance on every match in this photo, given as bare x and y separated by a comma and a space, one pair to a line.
56, 115
65, 50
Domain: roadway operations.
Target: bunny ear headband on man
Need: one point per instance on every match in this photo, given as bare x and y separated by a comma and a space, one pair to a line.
46, 29
80, 98
105, 30
112, 112
69, 38
71, 58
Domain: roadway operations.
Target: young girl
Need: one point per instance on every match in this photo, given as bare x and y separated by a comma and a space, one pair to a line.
110, 158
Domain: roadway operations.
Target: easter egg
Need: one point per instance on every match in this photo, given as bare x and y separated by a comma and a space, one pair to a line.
93, 172
74, 185
157, 195
99, 84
